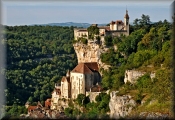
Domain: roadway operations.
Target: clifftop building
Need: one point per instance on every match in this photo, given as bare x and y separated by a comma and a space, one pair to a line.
116, 28
85, 77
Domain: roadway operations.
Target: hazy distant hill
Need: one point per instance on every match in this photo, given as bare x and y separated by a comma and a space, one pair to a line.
84, 25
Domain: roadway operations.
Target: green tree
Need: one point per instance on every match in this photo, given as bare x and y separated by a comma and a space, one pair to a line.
92, 31
81, 99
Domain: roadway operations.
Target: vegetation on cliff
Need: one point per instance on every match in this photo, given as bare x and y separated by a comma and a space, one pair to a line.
85, 109
38, 56
148, 49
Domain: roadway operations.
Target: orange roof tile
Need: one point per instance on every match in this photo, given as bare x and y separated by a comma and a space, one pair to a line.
86, 68
92, 65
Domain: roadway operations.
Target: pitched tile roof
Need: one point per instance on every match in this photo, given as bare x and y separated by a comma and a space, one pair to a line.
86, 68
65, 78
92, 65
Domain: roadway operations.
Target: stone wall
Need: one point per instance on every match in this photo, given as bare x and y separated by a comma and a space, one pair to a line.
77, 84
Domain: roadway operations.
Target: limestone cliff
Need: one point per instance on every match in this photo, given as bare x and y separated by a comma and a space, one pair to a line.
132, 75
90, 52
120, 106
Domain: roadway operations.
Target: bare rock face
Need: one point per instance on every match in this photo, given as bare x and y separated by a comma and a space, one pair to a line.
120, 106
90, 53
132, 75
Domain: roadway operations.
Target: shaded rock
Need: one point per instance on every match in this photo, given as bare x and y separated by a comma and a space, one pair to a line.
120, 106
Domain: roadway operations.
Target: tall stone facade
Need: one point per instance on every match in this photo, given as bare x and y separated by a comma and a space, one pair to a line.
66, 86
83, 77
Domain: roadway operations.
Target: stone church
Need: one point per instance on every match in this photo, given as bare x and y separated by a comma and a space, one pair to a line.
81, 79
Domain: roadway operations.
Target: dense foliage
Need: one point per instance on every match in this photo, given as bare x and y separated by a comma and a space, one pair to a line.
85, 109
37, 57
148, 49
92, 31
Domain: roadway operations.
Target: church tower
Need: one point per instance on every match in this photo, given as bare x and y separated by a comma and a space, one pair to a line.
126, 22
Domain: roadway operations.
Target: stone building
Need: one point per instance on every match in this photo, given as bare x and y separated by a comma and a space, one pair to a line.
83, 77
65, 86
56, 95
116, 28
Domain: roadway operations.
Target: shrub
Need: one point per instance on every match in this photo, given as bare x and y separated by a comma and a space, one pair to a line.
68, 111
144, 83
81, 99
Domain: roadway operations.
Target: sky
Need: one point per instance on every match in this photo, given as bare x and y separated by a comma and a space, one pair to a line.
84, 11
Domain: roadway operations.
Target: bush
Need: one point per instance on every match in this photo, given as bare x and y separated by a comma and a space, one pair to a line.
68, 112
81, 99
84, 41
108, 40
144, 83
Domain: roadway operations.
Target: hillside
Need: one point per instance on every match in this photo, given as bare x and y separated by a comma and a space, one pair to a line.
144, 57
38, 56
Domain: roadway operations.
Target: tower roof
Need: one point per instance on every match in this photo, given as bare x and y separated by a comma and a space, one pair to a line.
126, 15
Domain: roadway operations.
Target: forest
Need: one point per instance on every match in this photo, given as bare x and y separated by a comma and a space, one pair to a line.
38, 57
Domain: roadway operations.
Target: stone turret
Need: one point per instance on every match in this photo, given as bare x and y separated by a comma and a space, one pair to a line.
68, 74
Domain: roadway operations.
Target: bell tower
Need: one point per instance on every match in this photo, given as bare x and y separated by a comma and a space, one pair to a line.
126, 22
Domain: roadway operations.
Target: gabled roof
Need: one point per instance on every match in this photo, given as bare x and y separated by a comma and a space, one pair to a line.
65, 79
86, 68
92, 65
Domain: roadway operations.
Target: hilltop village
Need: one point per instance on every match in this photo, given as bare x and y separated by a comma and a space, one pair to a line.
85, 78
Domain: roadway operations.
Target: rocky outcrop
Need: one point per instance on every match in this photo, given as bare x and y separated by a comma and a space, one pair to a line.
120, 106
92, 95
90, 53
132, 75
